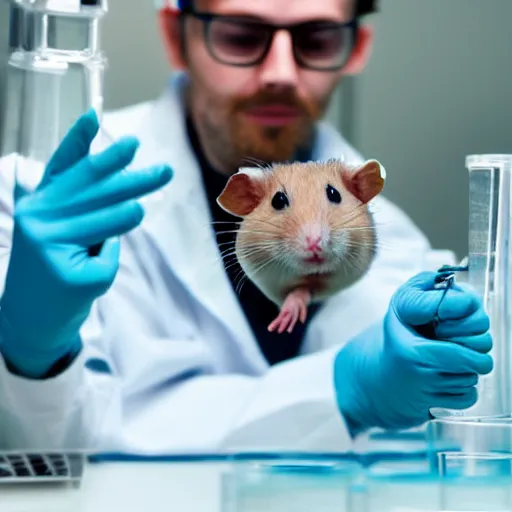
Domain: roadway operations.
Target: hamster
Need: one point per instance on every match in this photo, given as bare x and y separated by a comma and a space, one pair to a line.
306, 231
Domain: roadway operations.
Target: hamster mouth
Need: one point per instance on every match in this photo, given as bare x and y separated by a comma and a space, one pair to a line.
316, 259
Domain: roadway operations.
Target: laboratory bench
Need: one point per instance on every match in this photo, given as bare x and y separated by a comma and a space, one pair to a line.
389, 474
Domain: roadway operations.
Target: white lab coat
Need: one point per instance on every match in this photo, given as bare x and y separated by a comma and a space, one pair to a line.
185, 372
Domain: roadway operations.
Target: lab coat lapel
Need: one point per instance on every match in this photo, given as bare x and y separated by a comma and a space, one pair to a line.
180, 224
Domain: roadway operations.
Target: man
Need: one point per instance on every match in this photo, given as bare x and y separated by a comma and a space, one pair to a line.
164, 353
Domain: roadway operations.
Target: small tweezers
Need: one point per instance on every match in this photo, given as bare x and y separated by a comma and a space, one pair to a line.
444, 280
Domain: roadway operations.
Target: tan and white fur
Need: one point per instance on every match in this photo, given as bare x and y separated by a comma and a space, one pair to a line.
307, 231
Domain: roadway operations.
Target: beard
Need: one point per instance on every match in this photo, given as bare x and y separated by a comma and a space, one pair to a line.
235, 140
250, 140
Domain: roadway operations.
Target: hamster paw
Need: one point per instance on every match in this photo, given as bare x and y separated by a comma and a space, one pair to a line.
293, 309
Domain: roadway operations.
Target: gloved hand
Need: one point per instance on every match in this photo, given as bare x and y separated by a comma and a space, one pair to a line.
64, 251
390, 376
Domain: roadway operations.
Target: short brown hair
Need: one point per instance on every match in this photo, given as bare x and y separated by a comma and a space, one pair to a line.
366, 7
362, 6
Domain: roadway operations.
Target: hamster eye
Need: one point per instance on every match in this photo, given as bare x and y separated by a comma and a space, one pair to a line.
280, 201
333, 195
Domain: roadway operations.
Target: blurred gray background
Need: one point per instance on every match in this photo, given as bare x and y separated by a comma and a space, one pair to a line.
436, 89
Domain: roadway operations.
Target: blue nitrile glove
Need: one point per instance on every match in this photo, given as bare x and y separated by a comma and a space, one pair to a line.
389, 376
65, 248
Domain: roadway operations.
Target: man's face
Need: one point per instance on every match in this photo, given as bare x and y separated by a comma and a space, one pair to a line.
268, 110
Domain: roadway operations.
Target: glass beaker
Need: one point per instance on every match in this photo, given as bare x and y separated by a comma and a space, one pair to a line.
470, 447
473, 460
488, 275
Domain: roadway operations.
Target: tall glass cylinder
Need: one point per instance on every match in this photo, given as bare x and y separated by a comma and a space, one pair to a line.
54, 74
488, 264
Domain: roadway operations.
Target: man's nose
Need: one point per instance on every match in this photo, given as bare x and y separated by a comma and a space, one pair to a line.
279, 66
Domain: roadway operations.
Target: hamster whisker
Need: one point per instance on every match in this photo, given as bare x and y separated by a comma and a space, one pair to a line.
266, 223
226, 222
352, 215
338, 229
247, 253
353, 261
281, 257
254, 243
262, 266
256, 231
261, 164
253, 231
378, 244
230, 263
231, 246
242, 277
261, 221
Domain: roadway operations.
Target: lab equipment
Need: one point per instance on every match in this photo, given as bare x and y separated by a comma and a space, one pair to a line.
401, 485
471, 446
418, 489
489, 276
54, 74
427, 368
390, 483
65, 248
474, 462
322, 484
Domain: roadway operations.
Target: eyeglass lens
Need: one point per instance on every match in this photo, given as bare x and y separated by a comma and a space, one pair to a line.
243, 43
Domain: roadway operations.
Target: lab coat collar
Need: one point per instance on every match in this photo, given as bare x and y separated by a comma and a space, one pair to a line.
180, 223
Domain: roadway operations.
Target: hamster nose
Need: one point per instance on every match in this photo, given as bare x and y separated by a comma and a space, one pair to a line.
313, 243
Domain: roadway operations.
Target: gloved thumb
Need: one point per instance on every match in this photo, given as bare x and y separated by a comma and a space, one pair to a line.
418, 301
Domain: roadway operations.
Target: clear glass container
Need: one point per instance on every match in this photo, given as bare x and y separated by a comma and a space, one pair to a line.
417, 485
322, 484
55, 72
474, 447
488, 274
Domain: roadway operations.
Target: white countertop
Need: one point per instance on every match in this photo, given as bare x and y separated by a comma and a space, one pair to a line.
125, 487
199, 487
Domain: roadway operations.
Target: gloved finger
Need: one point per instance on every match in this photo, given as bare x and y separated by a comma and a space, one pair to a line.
448, 357
417, 307
462, 401
453, 383
451, 308
477, 323
75, 146
96, 227
480, 343
105, 265
117, 188
90, 170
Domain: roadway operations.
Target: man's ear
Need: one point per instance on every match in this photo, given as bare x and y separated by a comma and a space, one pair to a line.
243, 192
361, 52
169, 22
365, 181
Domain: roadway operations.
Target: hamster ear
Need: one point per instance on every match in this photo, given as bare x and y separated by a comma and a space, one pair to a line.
365, 181
243, 192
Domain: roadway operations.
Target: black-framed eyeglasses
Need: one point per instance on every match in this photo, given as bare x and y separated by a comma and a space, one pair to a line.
244, 41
